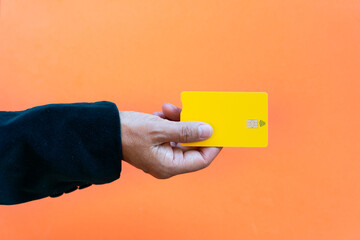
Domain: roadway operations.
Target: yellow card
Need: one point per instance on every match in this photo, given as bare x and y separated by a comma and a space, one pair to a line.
238, 119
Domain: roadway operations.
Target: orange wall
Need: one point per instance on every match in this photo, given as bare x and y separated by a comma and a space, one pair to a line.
140, 54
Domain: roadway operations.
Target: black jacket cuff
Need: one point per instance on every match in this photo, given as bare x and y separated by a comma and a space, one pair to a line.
55, 148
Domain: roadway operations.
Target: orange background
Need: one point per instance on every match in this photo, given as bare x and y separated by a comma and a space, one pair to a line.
140, 54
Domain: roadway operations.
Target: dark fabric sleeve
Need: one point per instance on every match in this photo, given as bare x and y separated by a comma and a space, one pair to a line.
57, 148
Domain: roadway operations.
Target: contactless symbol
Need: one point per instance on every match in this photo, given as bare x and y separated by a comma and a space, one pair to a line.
261, 123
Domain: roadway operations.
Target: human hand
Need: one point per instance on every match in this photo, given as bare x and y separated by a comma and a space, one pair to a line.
151, 142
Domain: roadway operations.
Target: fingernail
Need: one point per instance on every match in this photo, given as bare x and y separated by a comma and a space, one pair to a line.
205, 131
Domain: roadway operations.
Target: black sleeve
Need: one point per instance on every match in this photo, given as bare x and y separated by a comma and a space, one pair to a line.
57, 148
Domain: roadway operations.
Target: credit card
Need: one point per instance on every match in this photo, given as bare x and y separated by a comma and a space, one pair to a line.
238, 119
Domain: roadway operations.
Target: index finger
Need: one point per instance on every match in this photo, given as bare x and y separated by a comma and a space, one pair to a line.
171, 112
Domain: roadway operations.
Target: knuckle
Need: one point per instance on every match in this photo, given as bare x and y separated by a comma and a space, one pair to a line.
206, 161
185, 134
156, 133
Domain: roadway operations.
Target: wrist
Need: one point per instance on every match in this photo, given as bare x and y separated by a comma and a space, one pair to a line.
124, 129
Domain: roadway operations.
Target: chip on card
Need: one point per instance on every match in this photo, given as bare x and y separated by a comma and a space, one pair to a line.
238, 119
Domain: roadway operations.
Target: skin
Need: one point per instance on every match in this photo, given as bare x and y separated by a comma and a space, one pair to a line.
151, 142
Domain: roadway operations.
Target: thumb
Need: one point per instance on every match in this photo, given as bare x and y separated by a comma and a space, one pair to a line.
184, 132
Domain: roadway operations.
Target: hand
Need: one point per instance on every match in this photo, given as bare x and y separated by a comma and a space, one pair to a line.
151, 142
